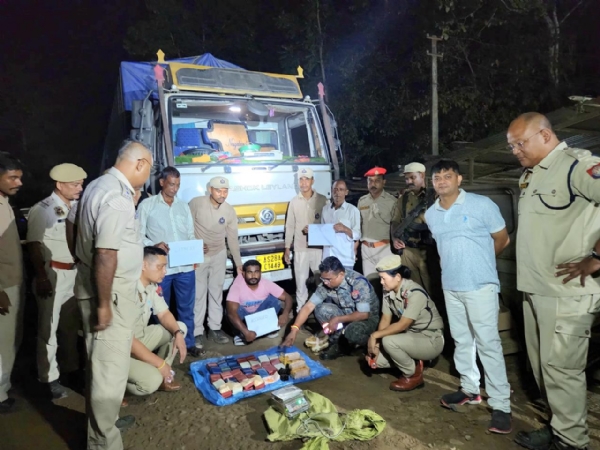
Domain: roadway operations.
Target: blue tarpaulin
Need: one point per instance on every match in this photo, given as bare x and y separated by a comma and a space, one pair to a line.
137, 78
201, 376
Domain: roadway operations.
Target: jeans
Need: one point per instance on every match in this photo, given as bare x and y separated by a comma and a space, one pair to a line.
270, 302
473, 318
184, 284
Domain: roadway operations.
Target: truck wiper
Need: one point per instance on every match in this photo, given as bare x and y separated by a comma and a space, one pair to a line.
218, 163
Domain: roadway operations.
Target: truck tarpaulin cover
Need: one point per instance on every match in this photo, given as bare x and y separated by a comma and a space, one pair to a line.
137, 78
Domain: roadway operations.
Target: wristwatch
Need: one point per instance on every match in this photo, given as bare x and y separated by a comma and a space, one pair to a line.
595, 255
178, 331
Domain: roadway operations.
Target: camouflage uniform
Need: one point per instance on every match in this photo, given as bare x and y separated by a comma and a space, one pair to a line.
354, 294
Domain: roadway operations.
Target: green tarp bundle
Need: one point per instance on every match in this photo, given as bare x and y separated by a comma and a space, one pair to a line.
322, 423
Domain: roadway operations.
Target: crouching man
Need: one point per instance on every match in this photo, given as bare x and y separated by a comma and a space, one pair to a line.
154, 347
411, 327
345, 304
250, 294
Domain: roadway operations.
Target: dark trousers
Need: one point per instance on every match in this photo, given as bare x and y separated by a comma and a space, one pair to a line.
184, 285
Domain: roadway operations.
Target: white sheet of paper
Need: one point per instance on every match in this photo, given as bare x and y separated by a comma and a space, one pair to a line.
321, 234
185, 253
263, 322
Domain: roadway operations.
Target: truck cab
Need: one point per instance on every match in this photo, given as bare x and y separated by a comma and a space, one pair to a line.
255, 129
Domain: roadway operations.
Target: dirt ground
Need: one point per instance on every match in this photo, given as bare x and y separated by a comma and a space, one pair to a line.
184, 420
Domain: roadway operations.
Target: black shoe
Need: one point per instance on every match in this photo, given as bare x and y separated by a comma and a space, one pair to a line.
332, 352
125, 422
195, 352
57, 390
7, 406
540, 439
501, 422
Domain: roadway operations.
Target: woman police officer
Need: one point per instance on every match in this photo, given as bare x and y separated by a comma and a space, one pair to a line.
410, 328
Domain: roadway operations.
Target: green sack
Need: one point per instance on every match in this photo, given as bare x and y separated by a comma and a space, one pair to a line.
322, 423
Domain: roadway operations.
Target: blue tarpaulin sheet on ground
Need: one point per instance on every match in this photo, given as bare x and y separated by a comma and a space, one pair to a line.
137, 78
201, 376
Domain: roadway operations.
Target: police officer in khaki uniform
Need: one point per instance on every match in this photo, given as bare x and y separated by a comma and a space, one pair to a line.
376, 211
303, 210
415, 334
410, 234
55, 272
155, 346
110, 249
558, 247
11, 276
214, 221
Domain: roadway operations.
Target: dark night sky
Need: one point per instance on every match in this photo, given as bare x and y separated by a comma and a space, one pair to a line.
69, 51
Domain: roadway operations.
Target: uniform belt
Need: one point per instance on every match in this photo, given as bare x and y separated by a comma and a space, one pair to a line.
61, 265
376, 244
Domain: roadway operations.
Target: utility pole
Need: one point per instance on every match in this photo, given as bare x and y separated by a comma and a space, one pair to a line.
434, 95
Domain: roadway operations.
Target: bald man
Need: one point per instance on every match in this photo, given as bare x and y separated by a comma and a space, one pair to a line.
110, 251
558, 249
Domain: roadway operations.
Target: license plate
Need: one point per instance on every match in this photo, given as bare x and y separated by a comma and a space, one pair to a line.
272, 261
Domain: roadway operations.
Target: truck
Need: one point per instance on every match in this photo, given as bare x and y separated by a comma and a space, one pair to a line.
208, 118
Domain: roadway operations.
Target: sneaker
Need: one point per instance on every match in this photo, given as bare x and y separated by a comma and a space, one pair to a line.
540, 439
195, 352
56, 390
238, 340
500, 423
273, 335
199, 342
7, 406
125, 422
218, 336
460, 397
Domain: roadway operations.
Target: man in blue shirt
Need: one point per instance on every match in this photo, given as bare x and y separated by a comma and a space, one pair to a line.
164, 218
470, 231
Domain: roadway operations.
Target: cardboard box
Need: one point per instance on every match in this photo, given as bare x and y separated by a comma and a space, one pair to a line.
504, 319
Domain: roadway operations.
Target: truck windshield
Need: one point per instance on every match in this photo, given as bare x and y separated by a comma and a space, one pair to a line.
243, 131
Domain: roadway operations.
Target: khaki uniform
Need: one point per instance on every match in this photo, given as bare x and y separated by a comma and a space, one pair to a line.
376, 216
414, 255
11, 278
213, 226
144, 379
46, 225
107, 220
559, 221
424, 340
302, 212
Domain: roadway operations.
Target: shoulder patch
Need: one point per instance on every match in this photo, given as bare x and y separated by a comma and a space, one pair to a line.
159, 291
355, 294
594, 171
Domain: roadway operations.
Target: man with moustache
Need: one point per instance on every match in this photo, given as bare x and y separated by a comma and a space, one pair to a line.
55, 273
165, 218
304, 209
376, 211
346, 224
249, 294
11, 276
410, 234
110, 251
214, 221
558, 261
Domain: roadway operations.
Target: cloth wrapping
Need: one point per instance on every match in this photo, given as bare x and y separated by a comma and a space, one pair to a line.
322, 423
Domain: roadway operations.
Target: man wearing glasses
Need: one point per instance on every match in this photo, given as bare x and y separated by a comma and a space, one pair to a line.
558, 248
345, 304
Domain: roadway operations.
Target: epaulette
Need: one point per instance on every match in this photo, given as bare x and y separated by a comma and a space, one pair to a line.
577, 153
